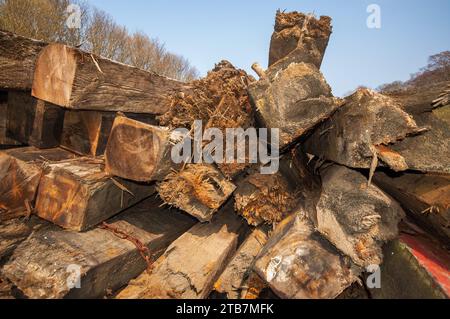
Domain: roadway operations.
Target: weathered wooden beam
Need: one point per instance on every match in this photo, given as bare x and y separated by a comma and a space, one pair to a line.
191, 265
294, 100
299, 37
425, 197
5, 141
32, 121
43, 265
199, 190
351, 136
77, 194
20, 173
17, 59
299, 264
235, 279
356, 218
139, 151
75, 79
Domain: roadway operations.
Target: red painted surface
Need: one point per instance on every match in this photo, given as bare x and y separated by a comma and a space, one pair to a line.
431, 257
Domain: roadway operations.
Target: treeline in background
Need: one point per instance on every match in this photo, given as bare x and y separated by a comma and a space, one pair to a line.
98, 33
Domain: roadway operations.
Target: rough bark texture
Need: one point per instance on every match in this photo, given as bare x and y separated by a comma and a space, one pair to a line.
75, 79
199, 190
355, 218
191, 265
425, 197
299, 38
367, 120
298, 263
235, 277
293, 100
5, 141
34, 122
17, 59
20, 173
77, 194
39, 266
201, 103
15, 231
139, 151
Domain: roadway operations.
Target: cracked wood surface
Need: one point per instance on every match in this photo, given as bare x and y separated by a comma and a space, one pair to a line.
191, 265
39, 266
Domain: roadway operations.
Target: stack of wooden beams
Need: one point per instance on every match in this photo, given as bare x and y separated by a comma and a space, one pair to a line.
94, 205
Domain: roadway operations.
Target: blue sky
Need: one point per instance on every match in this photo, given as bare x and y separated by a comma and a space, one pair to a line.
206, 32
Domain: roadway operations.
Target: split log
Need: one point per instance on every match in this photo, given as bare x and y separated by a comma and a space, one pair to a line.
199, 190
430, 151
75, 79
293, 100
139, 151
355, 218
34, 122
415, 267
299, 264
5, 141
191, 265
17, 60
15, 231
41, 266
299, 37
77, 194
425, 197
20, 173
235, 278
361, 129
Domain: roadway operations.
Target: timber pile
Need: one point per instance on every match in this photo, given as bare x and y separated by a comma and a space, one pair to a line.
94, 205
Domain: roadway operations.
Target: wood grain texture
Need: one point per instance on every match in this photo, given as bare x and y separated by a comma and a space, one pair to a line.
17, 60
39, 266
32, 121
5, 141
299, 264
20, 173
191, 264
235, 279
78, 80
77, 194
425, 197
139, 151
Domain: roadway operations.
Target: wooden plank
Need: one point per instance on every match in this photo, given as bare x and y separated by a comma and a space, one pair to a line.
357, 219
75, 79
5, 141
298, 264
40, 266
20, 173
199, 190
235, 279
34, 122
425, 197
15, 231
178, 274
299, 38
17, 59
139, 151
77, 194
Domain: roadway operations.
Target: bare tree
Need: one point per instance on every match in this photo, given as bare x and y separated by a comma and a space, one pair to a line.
46, 20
